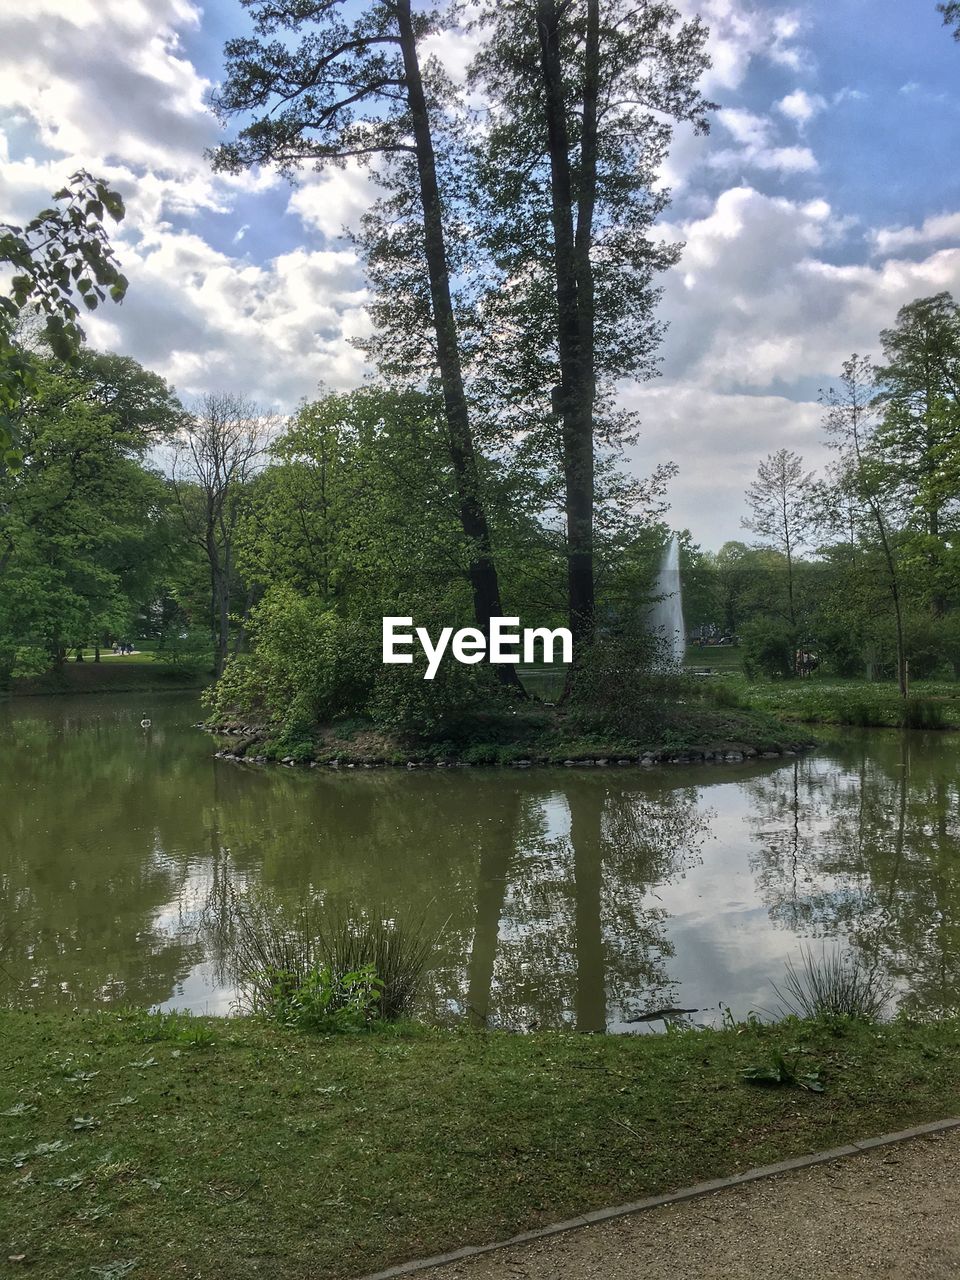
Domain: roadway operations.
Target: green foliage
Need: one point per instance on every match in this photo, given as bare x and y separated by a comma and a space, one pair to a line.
318, 1001
447, 707
621, 685
83, 542
779, 1071
923, 713
187, 651
307, 664
62, 253
310, 965
768, 648
178, 1028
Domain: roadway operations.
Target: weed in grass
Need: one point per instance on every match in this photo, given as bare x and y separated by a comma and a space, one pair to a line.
778, 1071
176, 1028
835, 984
319, 1001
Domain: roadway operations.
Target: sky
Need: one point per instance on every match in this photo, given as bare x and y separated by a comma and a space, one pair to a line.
825, 197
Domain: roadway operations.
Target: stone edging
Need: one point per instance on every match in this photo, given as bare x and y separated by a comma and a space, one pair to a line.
674, 1197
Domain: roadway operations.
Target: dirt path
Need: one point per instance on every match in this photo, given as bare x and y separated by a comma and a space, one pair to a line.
892, 1212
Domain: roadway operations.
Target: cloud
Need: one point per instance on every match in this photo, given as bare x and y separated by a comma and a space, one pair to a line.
755, 147
938, 227
801, 106
333, 200
742, 32
209, 321
718, 440
757, 303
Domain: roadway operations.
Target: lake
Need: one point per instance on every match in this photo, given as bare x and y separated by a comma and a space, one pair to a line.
582, 897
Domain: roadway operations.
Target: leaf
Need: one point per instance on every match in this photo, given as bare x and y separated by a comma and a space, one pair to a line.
114, 1270
49, 1148
70, 1183
85, 1122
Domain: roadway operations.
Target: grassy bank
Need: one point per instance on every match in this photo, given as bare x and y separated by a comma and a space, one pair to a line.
820, 700
168, 1146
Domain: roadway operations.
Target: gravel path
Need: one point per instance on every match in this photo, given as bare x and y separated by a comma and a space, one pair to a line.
893, 1212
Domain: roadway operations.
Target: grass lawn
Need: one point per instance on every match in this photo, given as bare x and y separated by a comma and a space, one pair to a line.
113, 674
719, 657
168, 1146
833, 701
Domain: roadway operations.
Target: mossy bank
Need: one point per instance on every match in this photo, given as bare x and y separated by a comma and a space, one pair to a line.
535, 736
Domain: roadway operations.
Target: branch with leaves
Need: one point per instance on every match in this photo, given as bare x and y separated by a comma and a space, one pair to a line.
61, 259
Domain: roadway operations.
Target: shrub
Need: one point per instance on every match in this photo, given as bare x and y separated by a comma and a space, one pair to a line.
305, 967
833, 985
621, 684
447, 707
320, 1001
722, 694
307, 664
769, 647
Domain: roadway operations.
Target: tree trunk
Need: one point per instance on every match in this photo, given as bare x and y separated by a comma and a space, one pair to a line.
482, 571
574, 291
220, 598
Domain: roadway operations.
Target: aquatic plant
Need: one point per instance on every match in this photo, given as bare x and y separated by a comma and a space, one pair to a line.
834, 984
322, 960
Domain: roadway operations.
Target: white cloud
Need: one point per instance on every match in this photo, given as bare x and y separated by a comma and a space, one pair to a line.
206, 320
756, 147
801, 106
756, 302
938, 227
718, 440
760, 317
330, 201
741, 32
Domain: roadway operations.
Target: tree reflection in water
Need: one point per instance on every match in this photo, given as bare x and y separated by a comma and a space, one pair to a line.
865, 848
562, 894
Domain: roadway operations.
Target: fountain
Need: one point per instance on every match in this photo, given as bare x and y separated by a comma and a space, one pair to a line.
666, 614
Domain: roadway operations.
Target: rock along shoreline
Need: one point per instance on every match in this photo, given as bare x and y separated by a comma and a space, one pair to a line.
252, 737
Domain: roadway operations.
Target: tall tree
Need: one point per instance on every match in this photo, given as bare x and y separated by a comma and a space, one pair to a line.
781, 513
920, 432
340, 82
215, 456
80, 516
584, 94
851, 423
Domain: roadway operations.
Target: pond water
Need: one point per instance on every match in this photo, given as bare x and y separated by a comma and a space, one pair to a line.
584, 897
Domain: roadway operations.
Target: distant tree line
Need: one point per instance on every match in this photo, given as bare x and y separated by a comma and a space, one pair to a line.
859, 566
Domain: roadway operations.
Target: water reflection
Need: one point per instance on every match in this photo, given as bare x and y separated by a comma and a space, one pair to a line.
564, 897
867, 844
